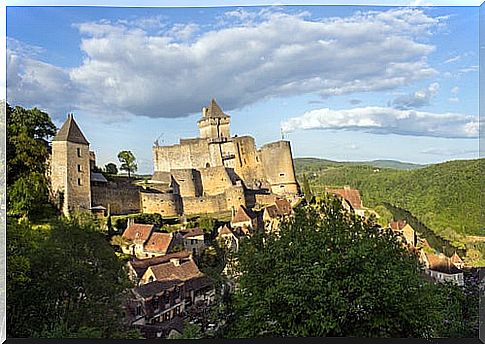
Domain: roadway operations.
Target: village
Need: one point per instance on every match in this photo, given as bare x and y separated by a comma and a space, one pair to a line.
255, 189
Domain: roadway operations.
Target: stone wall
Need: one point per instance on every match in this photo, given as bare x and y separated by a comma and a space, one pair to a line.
187, 182
70, 175
215, 180
120, 200
278, 167
204, 205
161, 203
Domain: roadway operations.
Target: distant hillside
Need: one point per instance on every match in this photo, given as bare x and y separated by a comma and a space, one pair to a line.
443, 196
315, 164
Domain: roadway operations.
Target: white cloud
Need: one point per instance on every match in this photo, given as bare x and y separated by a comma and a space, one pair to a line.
384, 120
129, 71
417, 99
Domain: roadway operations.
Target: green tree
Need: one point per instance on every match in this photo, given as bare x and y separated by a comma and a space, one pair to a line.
128, 162
190, 331
331, 274
207, 224
69, 281
28, 132
111, 168
307, 191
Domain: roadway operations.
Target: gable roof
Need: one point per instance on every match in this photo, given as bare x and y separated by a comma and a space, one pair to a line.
138, 232
214, 110
441, 263
169, 271
283, 205
71, 132
141, 265
272, 211
397, 225
351, 195
193, 232
243, 215
97, 177
456, 259
158, 242
224, 230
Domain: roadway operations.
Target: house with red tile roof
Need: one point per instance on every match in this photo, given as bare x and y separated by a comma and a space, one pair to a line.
143, 242
244, 218
404, 229
352, 198
229, 238
457, 261
441, 269
193, 240
177, 268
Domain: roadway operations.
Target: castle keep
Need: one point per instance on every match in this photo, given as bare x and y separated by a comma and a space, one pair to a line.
215, 172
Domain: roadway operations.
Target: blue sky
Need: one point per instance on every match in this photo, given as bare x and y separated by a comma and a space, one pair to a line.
342, 82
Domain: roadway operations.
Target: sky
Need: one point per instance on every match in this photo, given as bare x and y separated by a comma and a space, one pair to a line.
340, 82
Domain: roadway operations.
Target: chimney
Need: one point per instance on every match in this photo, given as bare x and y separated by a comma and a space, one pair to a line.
131, 221
175, 261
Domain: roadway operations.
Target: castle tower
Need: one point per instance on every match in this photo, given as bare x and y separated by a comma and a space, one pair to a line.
70, 171
214, 123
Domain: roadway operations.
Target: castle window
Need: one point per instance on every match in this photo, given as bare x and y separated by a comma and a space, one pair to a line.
79, 182
79, 152
282, 174
207, 165
79, 168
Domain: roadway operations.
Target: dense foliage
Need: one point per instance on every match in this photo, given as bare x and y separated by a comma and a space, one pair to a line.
443, 196
63, 280
330, 274
27, 152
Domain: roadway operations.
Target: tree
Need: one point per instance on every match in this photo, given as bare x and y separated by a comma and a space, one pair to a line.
128, 162
111, 168
190, 331
329, 273
28, 131
69, 281
307, 191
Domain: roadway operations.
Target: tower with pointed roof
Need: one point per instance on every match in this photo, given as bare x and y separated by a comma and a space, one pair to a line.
214, 123
70, 169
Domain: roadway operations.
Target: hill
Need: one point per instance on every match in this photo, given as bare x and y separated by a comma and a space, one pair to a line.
445, 197
316, 164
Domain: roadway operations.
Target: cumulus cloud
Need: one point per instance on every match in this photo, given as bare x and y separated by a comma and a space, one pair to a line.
128, 70
385, 120
417, 99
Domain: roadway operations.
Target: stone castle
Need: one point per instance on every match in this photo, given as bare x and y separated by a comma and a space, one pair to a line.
213, 173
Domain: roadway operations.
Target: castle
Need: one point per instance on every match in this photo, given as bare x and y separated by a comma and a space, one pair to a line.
213, 173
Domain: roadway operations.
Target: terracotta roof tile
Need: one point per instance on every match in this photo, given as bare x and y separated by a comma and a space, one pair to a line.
397, 225
351, 195
456, 259
194, 232
243, 215
284, 206
141, 265
169, 271
441, 263
158, 242
138, 232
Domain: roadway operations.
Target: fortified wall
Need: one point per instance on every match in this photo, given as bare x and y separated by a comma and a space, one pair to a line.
213, 173
216, 172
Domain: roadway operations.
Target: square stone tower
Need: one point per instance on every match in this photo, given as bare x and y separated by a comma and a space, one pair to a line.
214, 123
70, 170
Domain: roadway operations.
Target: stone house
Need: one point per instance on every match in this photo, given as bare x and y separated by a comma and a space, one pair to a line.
138, 267
229, 238
352, 198
405, 230
168, 286
245, 219
441, 269
273, 214
193, 240
143, 242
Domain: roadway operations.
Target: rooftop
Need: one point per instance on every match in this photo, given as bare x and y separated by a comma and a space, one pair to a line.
351, 195
138, 232
71, 132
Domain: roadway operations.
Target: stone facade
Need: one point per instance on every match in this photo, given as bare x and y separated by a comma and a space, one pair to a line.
210, 174
70, 169
216, 172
